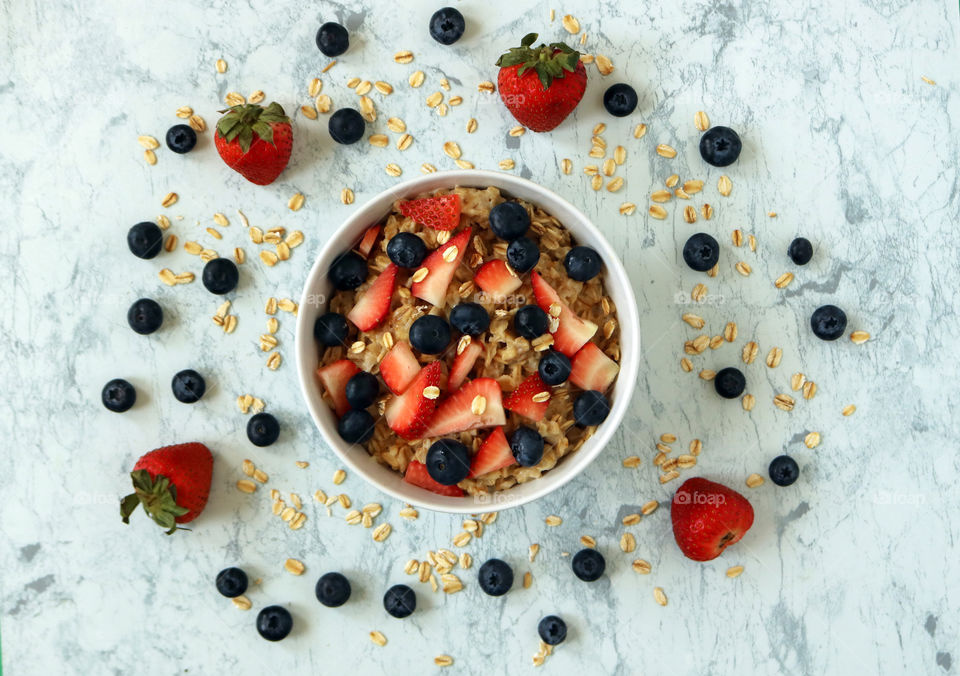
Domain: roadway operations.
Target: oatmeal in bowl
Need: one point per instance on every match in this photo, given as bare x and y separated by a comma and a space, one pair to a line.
470, 342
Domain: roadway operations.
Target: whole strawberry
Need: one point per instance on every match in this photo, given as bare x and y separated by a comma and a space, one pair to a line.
541, 85
707, 518
255, 141
172, 483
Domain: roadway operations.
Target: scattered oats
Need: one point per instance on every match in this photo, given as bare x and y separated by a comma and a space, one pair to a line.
443, 660
367, 109
783, 280
379, 140
404, 142
797, 381
464, 164
197, 123
695, 447
631, 462
724, 185
730, 332
246, 486
784, 402
527, 579
699, 293
597, 151
753, 242
221, 66
666, 151
859, 337
150, 157
455, 100
661, 196
772, 214
681, 193
257, 96
451, 583
378, 638
615, 184
486, 87
461, 539
686, 365
353, 517
361, 88
628, 543
672, 181
241, 602
604, 64
588, 541
586, 58
649, 507
323, 104
274, 360
812, 440
393, 170
639, 130
659, 596
927, 80
169, 199
214, 233
631, 519
261, 476
294, 567
689, 214
434, 100
669, 476
658, 211
229, 323
570, 24
507, 164
708, 374
404, 56
471, 125
170, 243
518, 130
489, 517
409, 513
346, 194
553, 520
748, 402
302, 464
773, 357
734, 571
743, 268
294, 239
234, 99
701, 121
754, 480
641, 566
706, 211
749, 352
163, 222
627, 208
692, 187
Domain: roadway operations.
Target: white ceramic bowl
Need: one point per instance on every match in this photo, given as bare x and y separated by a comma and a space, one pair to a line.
317, 289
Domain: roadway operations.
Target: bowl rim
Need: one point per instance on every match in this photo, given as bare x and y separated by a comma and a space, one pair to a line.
627, 317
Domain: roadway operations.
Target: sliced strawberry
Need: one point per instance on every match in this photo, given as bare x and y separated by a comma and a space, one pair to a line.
463, 363
433, 287
409, 413
456, 414
418, 475
440, 213
399, 367
334, 378
374, 304
496, 278
369, 239
572, 332
521, 399
591, 369
494, 454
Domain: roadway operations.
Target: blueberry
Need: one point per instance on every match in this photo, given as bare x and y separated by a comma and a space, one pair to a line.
552, 630
145, 239
118, 395
400, 600
523, 254
188, 386
509, 220
582, 263
362, 389
332, 39
447, 25
470, 318
701, 252
406, 250
729, 382
784, 470
356, 426
495, 577
800, 251
231, 582
526, 444
330, 329
220, 276
333, 590
145, 316
348, 271
531, 322
590, 408
588, 565
720, 146
346, 126
620, 99
262, 429
274, 623
828, 322
430, 334
181, 138
554, 368
448, 462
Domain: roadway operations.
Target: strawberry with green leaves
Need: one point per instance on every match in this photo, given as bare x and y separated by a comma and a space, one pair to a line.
255, 141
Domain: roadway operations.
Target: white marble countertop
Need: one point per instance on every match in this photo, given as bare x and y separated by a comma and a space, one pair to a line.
853, 569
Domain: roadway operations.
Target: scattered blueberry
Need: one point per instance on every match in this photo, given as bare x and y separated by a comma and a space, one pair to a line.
800, 251
231, 582
554, 367
531, 322
620, 99
509, 220
447, 25
362, 389
701, 252
590, 408
523, 254
181, 138
274, 623
828, 322
526, 444
588, 565
145, 239
346, 126
400, 600
552, 630
470, 318
784, 470
145, 316
348, 271
729, 383
118, 395
333, 590
430, 334
720, 146
406, 250
582, 263
495, 577
262, 429
332, 39
220, 276
330, 329
356, 426
448, 462
188, 386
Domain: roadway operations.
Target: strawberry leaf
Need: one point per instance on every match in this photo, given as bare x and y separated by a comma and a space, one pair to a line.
549, 62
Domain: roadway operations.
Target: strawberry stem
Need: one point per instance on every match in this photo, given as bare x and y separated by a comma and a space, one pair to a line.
548, 61
158, 497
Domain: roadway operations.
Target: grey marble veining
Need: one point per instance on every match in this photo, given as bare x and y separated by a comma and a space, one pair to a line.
852, 570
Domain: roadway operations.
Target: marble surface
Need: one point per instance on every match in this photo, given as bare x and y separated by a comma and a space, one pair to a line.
854, 569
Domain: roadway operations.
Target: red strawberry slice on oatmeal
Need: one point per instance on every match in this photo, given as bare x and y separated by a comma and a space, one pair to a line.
571, 332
